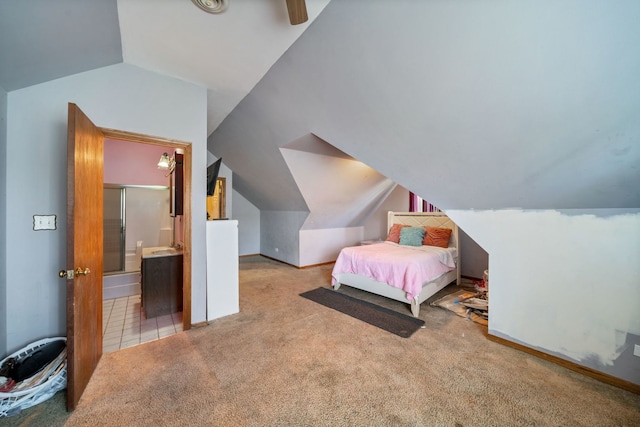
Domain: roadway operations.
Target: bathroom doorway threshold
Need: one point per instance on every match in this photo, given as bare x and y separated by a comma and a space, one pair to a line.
125, 325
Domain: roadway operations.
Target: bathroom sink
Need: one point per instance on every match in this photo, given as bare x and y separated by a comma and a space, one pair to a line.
160, 251
164, 252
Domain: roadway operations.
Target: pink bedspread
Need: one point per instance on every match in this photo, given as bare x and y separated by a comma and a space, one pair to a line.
404, 267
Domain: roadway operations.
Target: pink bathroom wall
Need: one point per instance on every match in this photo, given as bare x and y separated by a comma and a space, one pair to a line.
131, 163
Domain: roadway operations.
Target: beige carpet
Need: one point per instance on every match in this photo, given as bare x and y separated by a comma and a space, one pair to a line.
287, 361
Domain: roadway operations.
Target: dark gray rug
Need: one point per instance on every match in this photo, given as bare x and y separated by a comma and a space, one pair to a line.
397, 323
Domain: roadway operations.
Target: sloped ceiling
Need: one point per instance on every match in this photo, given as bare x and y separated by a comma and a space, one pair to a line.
228, 53
42, 40
472, 105
485, 104
338, 190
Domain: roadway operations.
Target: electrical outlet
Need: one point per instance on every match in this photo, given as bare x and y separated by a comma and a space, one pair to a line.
636, 350
44, 222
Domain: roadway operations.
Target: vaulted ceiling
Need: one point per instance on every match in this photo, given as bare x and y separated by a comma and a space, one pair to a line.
228, 53
473, 105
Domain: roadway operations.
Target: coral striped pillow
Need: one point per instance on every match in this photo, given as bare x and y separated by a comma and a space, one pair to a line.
437, 237
394, 233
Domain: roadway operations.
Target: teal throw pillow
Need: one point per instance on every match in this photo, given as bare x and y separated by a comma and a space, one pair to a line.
412, 236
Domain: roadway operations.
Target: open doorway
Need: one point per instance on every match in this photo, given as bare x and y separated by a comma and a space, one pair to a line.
122, 312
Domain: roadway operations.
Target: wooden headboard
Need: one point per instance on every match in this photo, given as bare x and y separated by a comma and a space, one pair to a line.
422, 219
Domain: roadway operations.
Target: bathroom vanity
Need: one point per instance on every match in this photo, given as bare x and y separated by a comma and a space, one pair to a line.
161, 281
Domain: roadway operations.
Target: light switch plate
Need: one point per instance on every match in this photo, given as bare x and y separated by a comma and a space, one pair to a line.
44, 222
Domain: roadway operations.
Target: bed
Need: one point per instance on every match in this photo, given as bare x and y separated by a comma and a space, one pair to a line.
398, 271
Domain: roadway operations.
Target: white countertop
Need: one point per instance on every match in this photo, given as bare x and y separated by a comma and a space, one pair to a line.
160, 251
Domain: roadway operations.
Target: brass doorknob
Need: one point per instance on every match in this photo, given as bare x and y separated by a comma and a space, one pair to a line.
81, 272
70, 274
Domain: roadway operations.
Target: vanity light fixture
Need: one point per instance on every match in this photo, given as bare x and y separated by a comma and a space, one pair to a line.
167, 163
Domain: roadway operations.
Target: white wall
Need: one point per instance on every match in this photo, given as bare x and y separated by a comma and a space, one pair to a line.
565, 282
248, 217
118, 97
375, 227
279, 235
324, 245
473, 259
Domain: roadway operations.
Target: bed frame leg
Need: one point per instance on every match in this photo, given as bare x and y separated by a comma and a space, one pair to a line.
415, 307
336, 286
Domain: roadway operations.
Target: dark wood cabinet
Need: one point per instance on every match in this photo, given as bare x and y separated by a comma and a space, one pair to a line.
161, 285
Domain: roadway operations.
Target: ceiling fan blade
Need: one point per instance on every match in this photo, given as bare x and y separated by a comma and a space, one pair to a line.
297, 11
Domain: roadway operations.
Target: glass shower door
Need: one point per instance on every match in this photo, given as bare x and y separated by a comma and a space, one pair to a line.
114, 229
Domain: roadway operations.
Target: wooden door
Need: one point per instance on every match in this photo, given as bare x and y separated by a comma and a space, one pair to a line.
85, 150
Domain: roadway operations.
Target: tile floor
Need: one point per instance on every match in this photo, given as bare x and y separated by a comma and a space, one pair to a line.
124, 324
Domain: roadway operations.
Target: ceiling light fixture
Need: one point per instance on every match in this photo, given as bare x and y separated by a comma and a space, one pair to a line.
297, 9
212, 6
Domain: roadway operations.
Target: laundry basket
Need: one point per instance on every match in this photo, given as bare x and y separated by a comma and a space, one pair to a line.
12, 402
